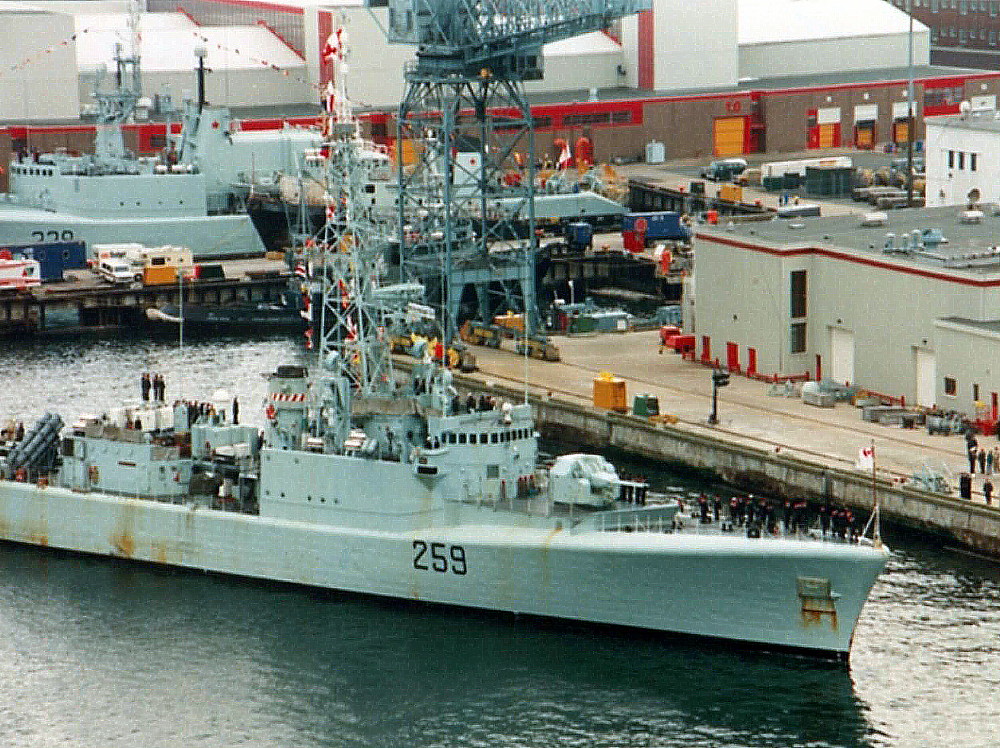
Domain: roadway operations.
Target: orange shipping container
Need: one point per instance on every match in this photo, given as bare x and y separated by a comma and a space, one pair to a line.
609, 392
159, 275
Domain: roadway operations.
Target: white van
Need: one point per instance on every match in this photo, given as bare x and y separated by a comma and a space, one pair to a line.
115, 270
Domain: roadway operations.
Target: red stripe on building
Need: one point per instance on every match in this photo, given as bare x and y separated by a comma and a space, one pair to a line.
848, 257
646, 48
324, 22
258, 5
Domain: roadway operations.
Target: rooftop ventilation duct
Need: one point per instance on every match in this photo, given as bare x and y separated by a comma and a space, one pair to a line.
875, 218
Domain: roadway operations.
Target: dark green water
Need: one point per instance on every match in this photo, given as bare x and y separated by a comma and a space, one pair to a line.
102, 653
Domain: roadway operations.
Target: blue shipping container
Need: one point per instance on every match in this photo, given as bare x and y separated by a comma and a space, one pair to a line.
659, 226
53, 257
579, 234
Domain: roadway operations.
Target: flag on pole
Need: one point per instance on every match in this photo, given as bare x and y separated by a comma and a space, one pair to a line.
866, 458
565, 158
332, 46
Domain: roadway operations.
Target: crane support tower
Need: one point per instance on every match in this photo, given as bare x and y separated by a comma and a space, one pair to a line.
465, 144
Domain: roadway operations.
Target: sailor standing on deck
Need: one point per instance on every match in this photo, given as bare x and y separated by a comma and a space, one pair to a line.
145, 384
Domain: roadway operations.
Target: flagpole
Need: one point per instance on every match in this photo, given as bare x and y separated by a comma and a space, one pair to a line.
876, 531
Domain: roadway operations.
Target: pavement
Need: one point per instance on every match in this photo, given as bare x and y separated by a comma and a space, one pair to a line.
746, 410
680, 172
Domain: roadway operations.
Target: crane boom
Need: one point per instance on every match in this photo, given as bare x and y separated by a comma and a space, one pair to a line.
504, 37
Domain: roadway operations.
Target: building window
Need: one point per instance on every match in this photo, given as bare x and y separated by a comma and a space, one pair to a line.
797, 293
950, 387
797, 337
993, 38
961, 160
972, 162
975, 393
994, 8
951, 159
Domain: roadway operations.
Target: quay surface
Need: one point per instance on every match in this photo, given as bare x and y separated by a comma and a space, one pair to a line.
764, 442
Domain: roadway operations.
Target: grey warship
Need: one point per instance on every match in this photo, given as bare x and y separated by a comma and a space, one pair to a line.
191, 195
370, 482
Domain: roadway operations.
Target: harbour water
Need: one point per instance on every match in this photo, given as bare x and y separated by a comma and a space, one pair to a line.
99, 652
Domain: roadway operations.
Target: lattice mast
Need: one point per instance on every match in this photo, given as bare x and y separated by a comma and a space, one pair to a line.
347, 252
117, 105
466, 114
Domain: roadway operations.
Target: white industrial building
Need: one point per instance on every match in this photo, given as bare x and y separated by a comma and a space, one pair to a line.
270, 53
810, 37
38, 66
235, 55
906, 314
963, 154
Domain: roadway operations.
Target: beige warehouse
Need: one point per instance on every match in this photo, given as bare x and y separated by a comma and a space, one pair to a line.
867, 305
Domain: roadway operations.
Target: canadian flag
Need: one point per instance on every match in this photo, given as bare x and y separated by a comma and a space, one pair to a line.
332, 47
565, 158
866, 458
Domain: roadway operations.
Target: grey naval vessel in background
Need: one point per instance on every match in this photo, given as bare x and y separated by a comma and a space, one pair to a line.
193, 194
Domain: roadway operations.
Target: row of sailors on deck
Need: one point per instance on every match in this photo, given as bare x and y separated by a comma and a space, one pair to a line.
472, 404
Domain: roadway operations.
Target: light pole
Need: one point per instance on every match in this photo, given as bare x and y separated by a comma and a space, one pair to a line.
909, 109
720, 378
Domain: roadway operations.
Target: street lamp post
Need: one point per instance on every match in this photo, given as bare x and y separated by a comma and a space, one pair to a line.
720, 378
909, 109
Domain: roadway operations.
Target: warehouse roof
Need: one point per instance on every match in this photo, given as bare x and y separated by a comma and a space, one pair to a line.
804, 20
168, 41
987, 121
968, 247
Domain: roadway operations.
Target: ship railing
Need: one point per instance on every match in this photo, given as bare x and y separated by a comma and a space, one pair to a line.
654, 519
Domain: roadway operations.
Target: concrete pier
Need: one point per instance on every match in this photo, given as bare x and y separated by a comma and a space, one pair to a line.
101, 304
771, 444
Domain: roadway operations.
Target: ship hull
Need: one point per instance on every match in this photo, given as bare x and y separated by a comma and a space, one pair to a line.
746, 591
206, 236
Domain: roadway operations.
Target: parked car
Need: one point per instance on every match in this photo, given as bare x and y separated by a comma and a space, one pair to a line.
724, 169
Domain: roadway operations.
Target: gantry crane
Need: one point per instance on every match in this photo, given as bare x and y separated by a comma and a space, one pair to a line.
465, 141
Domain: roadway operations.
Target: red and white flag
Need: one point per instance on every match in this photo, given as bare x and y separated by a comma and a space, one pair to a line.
866, 458
332, 48
565, 158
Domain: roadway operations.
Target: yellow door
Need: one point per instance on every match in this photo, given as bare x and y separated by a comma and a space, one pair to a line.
727, 136
866, 136
902, 133
826, 135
